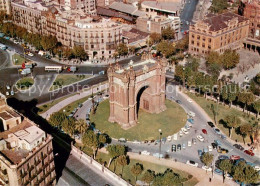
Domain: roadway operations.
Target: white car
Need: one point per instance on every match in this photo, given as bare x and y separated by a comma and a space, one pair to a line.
30, 54
207, 168
145, 153
169, 138
257, 168
200, 138
189, 124
181, 133
184, 131
136, 142
189, 100
192, 163
191, 114
7, 93
12, 93
187, 127
189, 143
16, 42
210, 148
7, 87
175, 137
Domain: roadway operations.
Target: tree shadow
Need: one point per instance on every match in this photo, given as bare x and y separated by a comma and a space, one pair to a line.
61, 150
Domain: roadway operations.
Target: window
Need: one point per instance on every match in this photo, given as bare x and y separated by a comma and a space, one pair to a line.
192, 35
192, 42
198, 37
198, 44
203, 45
210, 40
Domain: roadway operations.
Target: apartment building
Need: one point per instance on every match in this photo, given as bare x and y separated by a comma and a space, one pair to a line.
157, 23
251, 10
5, 6
98, 36
218, 33
26, 153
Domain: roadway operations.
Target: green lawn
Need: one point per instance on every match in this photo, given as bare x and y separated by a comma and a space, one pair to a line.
67, 79
170, 121
127, 175
43, 108
17, 59
25, 83
223, 111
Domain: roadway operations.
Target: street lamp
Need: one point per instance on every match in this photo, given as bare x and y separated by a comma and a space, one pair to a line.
160, 132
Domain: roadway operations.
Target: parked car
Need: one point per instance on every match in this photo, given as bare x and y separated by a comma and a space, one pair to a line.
16, 42
216, 130
210, 148
178, 101
214, 145
164, 140
218, 171
189, 143
204, 167
181, 133
136, 142
190, 120
200, 138
169, 138
7, 87
191, 114
122, 140
7, 94
178, 147
205, 150
204, 131
211, 124
175, 137
185, 131
145, 153
200, 152
173, 148
223, 136
30, 54
234, 157
12, 93
223, 157
249, 152
187, 127
238, 146
217, 142
222, 151
194, 141
192, 163
184, 146
189, 100
157, 155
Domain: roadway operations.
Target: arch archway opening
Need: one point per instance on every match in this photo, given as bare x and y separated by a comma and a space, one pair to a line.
141, 101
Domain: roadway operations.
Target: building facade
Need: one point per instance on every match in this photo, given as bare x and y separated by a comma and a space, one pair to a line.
218, 33
251, 10
140, 86
5, 6
98, 36
26, 152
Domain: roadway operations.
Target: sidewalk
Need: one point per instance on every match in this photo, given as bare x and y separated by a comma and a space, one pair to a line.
71, 99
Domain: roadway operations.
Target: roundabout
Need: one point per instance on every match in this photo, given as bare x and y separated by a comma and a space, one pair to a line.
169, 121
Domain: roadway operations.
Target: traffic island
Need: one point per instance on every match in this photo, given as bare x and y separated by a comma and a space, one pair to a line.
24, 83
169, 121
17, 59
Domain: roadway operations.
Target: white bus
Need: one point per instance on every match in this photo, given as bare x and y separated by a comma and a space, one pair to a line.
53, 68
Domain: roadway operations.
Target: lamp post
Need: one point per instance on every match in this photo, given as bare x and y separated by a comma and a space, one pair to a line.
217, 110
160, 132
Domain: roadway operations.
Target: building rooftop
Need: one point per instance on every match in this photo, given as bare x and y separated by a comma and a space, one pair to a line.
164, 6
126, 8
15, 156
221, 21
134, 35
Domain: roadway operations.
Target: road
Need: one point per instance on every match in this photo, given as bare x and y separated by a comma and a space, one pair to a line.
187, 13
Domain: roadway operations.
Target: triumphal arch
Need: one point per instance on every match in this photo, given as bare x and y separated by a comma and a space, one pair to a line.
137, 86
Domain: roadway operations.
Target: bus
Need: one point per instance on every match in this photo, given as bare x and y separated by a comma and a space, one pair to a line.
53, 68
3, 47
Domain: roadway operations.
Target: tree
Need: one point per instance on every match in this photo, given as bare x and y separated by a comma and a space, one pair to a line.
68, 125
213, 109
251, 175
238, 171
79, 52
232, 122
245, 173
48, 42
123, 160
213, 58
158, 180
102, 139
57, 118
155, 38
246, 98
166, 48
81, 126
171, 178
136, 170
122, 49
90, 139
114, 151
214, 69
207, 158
230, 93
229, 59
256, 106
183, 44
225, 166
148, 177
246, 130
218, 6
168, 33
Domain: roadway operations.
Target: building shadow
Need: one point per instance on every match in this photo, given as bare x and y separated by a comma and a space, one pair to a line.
61, 142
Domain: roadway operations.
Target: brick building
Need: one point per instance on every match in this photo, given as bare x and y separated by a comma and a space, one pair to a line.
98, 36
218, 33
26, 153
5, 5
251, 10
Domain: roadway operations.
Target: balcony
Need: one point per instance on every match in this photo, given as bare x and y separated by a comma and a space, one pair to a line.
50, 151
50, 160
31, 168
39, 171
23, 175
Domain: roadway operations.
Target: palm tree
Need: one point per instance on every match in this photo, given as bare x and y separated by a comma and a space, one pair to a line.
81, 126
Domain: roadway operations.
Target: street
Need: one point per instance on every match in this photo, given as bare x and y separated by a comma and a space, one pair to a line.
187, 13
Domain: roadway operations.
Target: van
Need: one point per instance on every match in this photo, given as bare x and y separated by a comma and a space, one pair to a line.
191, 114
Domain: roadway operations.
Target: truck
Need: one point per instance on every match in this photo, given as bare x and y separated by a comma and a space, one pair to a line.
72, 69
26, 71
28, 65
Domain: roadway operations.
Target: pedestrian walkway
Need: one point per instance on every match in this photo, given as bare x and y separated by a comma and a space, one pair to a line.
71, 99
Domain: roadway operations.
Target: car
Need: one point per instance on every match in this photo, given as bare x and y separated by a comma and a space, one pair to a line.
178, 101
190, 120
200, 152
184, 146
205, 150
189, 124
80, 105
7, 93
47, 56
217, 131
194, 141
189, 143
122, 140
257, 168
157, 155
204, 131
234, 157
7, 38
181, 133
164, 140
211, 124
222, 151
178, 147
238, 146
192, 163
210, 148
105, 97
218, 171
136, 142
175, 137
249, 152
204, 167
189, 100
185, 131
223, 157
191, 114
12, 93
173, 148
214, 145
187, 127
7, 87
30, 54
169, 138
217, 142
223, 136
145, 153
200, 138
16, 42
